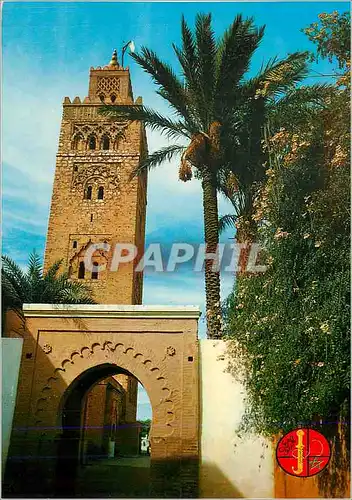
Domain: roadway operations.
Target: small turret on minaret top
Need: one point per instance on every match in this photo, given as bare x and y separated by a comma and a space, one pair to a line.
114, 61
110, 84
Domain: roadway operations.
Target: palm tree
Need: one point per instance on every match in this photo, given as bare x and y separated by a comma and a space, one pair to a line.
279, 107
33, 286
209, 103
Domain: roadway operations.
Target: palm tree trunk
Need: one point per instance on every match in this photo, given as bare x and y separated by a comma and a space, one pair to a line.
245, 242
211, 238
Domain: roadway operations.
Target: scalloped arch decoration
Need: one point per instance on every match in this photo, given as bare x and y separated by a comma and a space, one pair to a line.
161, 396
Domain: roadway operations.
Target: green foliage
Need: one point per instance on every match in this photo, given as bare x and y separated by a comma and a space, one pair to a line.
35, 286
274, 97
290, 326
145, 427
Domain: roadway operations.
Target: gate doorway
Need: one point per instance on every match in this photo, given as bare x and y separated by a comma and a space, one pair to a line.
67, 351
98, 451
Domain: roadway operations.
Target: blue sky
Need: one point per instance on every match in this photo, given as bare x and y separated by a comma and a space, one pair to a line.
48, 49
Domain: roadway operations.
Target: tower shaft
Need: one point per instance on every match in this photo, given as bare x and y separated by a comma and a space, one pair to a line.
94, 200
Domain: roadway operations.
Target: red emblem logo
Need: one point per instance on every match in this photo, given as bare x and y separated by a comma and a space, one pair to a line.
303, 452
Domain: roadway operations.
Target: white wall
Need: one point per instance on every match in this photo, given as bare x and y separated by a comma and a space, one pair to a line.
11, 350
230, 467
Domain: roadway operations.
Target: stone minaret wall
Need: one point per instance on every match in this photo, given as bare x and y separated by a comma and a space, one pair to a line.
98, 155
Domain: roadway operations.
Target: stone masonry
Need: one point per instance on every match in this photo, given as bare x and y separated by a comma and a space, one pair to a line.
94, 200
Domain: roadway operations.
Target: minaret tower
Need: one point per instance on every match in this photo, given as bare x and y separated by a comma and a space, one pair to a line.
94, 200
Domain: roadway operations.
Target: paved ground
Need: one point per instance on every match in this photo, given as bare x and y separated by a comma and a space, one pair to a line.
126, 477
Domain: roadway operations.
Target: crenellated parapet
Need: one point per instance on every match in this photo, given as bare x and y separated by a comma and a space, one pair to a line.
87, 100
109, 68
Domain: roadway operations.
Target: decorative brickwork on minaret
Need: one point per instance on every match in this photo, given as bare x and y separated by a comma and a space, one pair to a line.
94, 200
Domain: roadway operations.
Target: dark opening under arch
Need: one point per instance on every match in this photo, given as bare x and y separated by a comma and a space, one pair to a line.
92, 142
101, 193
88, 193
95, 271
81, 271
70, 421
105, 143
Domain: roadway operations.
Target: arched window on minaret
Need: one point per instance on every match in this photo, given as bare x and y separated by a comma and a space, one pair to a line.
113, 98
105, 142
78, 142
102, 97
100, 193
92, 142
95, 271
88, 193
81, 271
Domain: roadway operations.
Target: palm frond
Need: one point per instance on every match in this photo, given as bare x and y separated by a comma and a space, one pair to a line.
35, 287
279, 76
154, 120
34, 276
235, 50
76, 293
227, 221
53, 270
188, 49
11, 269
34, 265
14, 280
170, 87
314, 95
206, 54
51, 285
9, 294
158, 157
188, 59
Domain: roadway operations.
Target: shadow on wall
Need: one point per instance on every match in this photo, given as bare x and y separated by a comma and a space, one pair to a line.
335, 481
30, 461
216, 484
39, 454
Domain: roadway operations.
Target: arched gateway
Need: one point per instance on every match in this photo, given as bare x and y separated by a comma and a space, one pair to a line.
69, 348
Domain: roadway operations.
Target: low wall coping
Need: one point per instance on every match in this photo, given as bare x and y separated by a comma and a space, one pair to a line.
109, 311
